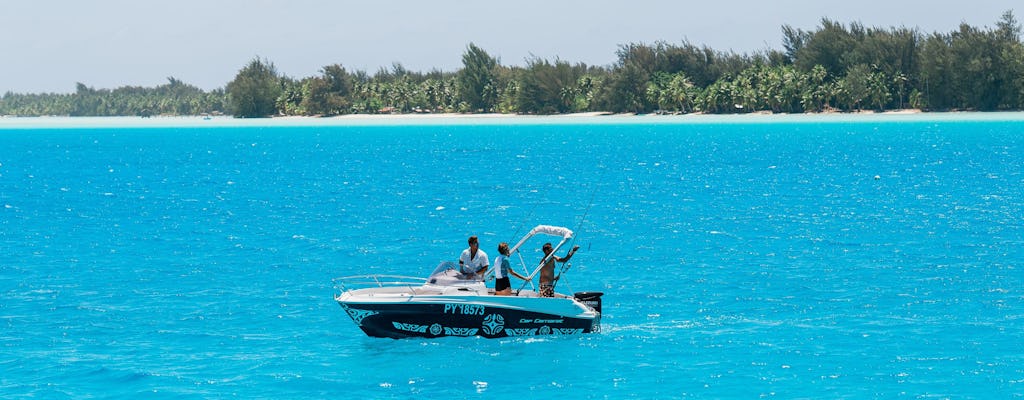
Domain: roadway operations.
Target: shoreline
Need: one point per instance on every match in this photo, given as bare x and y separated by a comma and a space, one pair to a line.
910, 115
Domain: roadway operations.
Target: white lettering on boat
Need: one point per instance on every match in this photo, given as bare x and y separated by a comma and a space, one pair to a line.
540, 321
464, 309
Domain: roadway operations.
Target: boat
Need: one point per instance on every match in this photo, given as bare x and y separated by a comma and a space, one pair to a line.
450, 303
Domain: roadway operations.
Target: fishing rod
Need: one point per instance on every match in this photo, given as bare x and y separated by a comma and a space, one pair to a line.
585, 213
566, 264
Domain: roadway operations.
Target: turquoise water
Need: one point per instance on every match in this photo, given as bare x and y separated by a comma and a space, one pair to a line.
741, 258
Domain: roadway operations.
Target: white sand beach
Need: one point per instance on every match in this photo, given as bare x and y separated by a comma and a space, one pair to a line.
498, 119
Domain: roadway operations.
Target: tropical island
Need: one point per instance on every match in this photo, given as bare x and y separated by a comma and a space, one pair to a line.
833, 68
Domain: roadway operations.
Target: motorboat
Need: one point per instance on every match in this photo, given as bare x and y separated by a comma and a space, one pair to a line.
450, 303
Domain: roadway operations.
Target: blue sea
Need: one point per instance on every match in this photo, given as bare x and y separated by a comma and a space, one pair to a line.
740, 257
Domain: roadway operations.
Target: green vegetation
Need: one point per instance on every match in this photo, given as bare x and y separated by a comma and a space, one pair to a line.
173, 98
836, 67
477, 80
255, 90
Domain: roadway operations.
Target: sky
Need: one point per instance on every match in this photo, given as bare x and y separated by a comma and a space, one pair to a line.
47, 46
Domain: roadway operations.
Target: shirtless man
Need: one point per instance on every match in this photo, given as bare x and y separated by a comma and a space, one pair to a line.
547, 272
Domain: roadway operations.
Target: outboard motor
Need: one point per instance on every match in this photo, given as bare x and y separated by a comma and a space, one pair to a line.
591, 299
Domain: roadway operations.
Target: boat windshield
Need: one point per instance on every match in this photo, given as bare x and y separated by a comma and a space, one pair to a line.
449, 273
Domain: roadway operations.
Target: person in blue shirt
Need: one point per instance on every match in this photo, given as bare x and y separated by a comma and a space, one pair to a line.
502, 269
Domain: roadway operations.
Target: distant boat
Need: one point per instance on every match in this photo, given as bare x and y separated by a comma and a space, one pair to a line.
449, 303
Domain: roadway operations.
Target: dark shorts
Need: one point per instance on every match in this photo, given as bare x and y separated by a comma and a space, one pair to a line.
547, 290
502, 284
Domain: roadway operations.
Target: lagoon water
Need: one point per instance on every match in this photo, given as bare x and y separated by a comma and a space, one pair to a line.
787, 257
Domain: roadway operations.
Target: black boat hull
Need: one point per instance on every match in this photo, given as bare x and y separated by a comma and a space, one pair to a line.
431, 320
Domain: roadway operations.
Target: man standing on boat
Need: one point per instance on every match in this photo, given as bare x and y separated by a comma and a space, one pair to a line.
473, 261
547, 273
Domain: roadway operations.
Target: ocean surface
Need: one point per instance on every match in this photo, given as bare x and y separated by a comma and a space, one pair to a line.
740, 257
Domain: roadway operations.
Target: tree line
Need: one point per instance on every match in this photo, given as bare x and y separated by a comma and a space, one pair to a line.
835, 67
172, 98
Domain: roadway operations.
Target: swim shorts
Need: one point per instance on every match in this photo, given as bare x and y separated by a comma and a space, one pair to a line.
547, 290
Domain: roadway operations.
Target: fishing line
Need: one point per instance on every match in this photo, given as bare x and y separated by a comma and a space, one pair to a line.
522, 223
565, 264
593, 193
